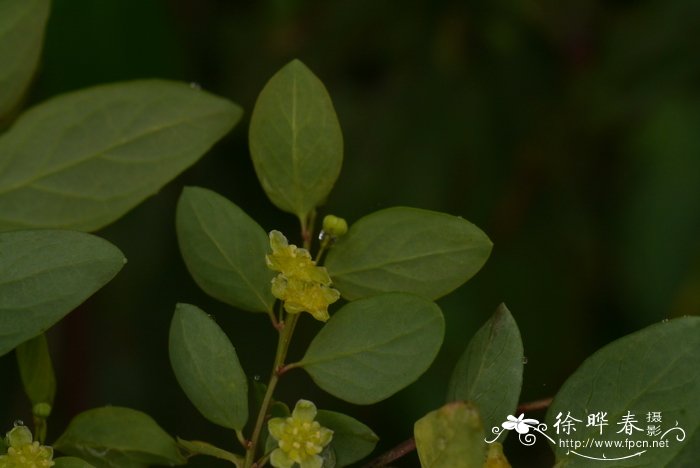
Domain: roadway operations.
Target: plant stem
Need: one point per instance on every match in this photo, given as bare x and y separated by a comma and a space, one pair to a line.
324, 245
285, 337
241, 438
405, 447
273, 319
534, 405
307, 229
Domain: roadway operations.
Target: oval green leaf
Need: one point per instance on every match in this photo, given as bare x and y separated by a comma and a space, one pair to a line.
224, 250
352, 440
407, 249
71, 462
295, 140
652, 370
451, 437
83, 159
374, 347
118, 437
207, 367
46, 275
197, 447
490, 372
22, 25
36, 370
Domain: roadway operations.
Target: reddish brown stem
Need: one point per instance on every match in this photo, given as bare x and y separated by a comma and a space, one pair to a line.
534, 405
395, 453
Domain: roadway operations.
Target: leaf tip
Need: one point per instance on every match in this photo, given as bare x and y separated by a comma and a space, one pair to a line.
295, 63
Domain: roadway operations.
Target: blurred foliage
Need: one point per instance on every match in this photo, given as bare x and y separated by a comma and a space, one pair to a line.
568, 131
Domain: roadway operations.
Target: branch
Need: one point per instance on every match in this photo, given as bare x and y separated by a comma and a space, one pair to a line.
534, 405
395, 453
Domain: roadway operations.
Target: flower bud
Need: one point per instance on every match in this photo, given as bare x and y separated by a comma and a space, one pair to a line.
42, 410
335, 226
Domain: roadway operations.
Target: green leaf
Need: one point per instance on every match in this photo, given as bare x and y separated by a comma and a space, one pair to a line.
407, 249
207, 367
22, 25
495, 458
490, 372
36, 370
83, 159
352, 440
451, 437
71, 462
118, 437
295, 140
197, 447
45, 275
224, 250
372, 348
652, 370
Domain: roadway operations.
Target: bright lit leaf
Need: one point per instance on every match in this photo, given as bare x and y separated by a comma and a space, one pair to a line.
451, 437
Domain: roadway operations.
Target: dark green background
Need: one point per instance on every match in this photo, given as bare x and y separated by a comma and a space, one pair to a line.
568, 131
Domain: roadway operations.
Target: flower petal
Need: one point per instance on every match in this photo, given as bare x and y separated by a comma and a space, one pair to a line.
276, 427
304, 410
279, 459
279, 287
326, 435
314, 461
277, 241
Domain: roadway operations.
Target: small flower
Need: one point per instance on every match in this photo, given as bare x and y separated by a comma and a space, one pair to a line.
301, 285
23, 453
522, 426
300, 439
304, 296
294, 262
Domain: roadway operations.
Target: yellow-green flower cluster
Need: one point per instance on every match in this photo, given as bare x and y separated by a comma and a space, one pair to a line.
300, 439
25, 453
301, 285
